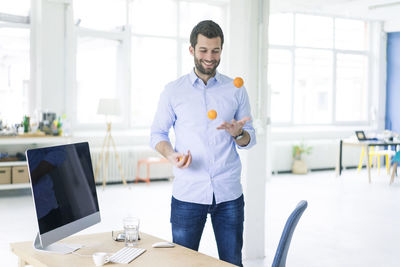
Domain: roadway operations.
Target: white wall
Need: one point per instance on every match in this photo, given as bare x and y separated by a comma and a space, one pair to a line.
392, 26
324, 154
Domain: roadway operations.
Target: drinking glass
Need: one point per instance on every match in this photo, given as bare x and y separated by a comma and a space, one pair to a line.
131, 229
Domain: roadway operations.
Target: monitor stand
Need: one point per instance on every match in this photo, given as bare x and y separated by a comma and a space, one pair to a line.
58, 248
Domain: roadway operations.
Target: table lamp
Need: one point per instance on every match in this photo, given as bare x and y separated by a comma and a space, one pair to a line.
108, 107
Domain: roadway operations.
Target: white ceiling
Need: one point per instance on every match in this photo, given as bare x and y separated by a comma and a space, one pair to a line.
381, 10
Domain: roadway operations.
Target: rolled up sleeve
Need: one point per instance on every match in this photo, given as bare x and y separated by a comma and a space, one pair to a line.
163, 120
244, 110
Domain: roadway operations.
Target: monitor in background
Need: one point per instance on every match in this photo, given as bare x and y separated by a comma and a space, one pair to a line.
361, 136
64, 194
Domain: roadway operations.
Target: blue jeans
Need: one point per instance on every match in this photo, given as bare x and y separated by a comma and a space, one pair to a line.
188, 220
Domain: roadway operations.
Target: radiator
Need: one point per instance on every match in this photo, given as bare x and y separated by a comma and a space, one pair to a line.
128, 157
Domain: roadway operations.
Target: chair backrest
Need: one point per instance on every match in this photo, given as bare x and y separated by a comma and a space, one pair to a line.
284, 243
396, 157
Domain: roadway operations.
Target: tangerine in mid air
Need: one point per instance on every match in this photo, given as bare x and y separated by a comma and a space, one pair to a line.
238, 82
212, 114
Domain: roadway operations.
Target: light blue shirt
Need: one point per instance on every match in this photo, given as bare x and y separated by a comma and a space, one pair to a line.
216, 166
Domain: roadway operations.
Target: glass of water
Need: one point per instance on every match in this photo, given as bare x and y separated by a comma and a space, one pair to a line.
131, 230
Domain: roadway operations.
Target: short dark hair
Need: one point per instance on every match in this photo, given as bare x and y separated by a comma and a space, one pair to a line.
209, 29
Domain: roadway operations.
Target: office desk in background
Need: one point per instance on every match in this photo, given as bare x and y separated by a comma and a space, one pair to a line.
366, 145
170, 257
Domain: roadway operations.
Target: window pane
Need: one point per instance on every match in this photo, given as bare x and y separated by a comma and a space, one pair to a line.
280, 80
281, 29
313, 86
96, 76
351, 88
192, 13
154, 17
152, 69
314, 31
14, 74
351, 34
15, 7
100, 14
187, 59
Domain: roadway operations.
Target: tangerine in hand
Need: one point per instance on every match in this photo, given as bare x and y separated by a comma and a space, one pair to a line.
238, 82
181, 159
212, 114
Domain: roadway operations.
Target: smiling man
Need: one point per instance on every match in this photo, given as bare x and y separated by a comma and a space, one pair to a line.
207, 167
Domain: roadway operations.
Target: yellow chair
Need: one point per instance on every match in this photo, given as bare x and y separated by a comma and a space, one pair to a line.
378, 154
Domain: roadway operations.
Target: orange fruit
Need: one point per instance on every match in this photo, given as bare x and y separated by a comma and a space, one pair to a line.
181, 158
238, 82
212, 114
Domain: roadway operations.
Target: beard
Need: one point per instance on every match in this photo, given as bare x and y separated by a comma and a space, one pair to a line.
202, 70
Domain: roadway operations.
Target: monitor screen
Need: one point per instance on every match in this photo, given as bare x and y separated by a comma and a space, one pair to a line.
361, 135
63, 190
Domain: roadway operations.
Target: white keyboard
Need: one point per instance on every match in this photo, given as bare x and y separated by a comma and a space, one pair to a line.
126, 255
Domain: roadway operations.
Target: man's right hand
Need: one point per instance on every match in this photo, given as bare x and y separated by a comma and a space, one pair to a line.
180, 160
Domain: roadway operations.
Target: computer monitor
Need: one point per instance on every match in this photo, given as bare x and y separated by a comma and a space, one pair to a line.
64, 194
361, 136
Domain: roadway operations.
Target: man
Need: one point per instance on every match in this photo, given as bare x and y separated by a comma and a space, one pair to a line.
207, 167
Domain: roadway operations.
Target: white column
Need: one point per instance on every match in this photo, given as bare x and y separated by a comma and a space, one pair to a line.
248, 57
48, 54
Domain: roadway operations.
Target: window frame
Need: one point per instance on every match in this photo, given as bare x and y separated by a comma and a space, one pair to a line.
123, 63
292, 50
125, 37
11, 21
180, 44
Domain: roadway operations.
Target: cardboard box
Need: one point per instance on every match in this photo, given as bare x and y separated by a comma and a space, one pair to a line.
20, 174
5, 175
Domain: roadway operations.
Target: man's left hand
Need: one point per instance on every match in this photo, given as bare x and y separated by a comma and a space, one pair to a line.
235, 127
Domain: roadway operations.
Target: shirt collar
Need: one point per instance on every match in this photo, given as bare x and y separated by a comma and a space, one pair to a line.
193, 77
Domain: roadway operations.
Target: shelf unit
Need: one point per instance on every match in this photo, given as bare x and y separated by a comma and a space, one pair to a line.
14, 186
20, 140
26, 142
12, 163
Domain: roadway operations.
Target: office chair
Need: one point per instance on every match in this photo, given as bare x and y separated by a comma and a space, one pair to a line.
284, 243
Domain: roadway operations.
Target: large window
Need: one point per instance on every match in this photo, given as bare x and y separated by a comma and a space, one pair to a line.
160, 47
100, 57
96, 75
131, 49
14, 61
318, 69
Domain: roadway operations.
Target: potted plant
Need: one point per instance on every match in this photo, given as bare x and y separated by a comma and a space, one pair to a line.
299, 165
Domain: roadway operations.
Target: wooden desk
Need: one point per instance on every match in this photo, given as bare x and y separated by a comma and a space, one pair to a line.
170, 257
366, 145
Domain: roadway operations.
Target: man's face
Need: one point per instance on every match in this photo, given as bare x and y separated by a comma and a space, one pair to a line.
207, 54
